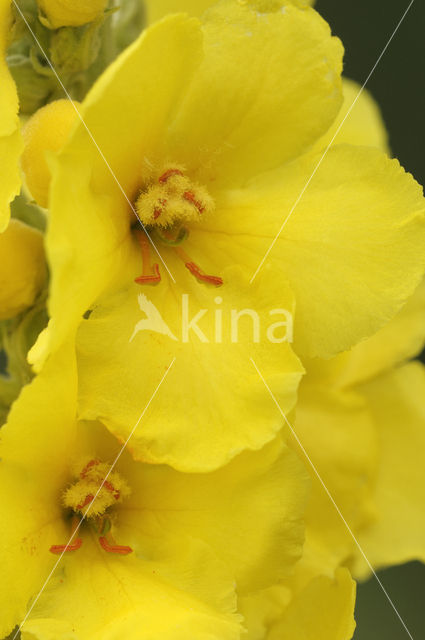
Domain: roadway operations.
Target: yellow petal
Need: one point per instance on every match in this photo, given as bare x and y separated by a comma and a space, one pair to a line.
22, 268
363, 125
34, 452
322, 611
212, 404
249, 512
352, 249
398, 535
10, 138
157, 9
337, 431
398, 341
268, 87
103, 597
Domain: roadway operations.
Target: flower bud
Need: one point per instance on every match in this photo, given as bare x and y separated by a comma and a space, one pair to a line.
46, 131
71, 13
22, 268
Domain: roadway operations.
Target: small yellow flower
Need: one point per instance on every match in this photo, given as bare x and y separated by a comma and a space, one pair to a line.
161, 553
71, 13
22, 268
10, 138
45, 132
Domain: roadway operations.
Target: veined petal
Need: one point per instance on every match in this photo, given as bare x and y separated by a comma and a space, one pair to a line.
268, 87
398, 535
103, 597
352, 249
10, 137
212, 404
249, 512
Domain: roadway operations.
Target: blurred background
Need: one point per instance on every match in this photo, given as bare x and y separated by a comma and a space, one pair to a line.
398, 84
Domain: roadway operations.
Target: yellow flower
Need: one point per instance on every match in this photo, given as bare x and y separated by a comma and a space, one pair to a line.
208, 129
72, 13
22, 268
10, 139
162, 554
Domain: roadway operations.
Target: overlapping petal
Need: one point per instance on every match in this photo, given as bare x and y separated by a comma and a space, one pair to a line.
398, 534
351, 249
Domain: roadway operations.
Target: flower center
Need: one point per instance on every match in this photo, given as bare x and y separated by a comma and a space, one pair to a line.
173, 199
95, 490
166, 206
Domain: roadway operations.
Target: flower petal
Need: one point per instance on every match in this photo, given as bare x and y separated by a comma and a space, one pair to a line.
352, 249
363, 125
398, 535
268, 87
249, 512
103, 597
323, 611
338, 433
212, 404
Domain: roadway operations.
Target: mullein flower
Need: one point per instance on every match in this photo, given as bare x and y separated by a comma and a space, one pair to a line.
10, 138
206, 130
164, 554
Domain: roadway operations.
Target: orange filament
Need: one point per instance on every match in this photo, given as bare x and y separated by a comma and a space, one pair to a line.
114, 548
170, 172
71, 546
110, 487
89, 465
87, 501
162, 202
147, 277
190, 197
196, 271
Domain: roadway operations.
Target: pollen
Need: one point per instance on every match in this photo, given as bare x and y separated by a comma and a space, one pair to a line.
95, 489
172, 198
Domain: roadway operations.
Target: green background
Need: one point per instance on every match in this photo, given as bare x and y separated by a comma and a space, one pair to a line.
398, 84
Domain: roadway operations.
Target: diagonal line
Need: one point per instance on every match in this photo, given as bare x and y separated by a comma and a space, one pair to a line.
102, 155
319, 477
74, 533
297, 201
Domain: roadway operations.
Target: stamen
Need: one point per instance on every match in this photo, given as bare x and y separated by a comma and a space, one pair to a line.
89, 465
89, 498
147, 277
170, 172
114, 548
196, 271
73, 546
190, 197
